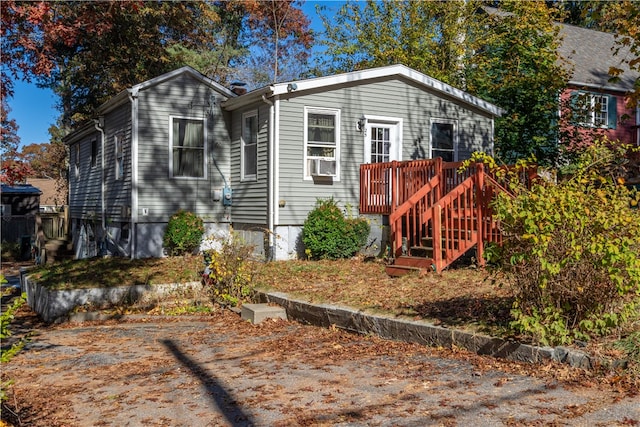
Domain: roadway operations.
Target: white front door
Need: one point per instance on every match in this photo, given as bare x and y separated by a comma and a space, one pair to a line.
382, 142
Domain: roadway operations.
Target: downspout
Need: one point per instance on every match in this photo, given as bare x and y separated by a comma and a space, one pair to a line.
133, 97
99, 123
271, 204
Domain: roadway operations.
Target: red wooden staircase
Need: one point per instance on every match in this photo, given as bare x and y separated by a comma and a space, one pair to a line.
436, 214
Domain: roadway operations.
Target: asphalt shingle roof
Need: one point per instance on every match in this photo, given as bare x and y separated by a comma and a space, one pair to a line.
591, 54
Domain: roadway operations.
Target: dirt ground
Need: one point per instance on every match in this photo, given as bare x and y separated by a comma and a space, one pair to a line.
221, 371
218, 370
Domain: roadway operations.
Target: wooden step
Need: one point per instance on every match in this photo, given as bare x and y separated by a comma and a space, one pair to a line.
401, 270
424, 251
409, 265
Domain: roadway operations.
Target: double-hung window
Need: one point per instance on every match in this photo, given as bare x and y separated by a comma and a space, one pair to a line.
118, 140
76, 162
187, 147
249, 153
595, 110
322, 142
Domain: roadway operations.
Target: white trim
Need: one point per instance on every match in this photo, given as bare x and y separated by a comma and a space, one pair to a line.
254, 176
185, 70
321, 110
133, 231
276, 166
397, 135
453, 122
204, 142
118, 140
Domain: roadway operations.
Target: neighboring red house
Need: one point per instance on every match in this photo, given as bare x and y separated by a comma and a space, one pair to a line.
599, 104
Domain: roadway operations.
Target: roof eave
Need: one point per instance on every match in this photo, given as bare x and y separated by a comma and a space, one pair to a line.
293, 88
597, 86
248, 98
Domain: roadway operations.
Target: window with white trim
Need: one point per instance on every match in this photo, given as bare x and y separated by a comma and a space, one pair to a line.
76, 161
119, 172
249, 152
594, 109
187, 147
444, 139
322, 142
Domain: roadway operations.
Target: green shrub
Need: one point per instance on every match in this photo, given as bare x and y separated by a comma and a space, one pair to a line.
7, 353
183, 234
571, 254
328, 234
10, 250
230, 272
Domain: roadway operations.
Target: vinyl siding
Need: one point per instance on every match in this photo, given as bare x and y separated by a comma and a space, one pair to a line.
250, 196
159, 193
118, 191
85, 189
396, 98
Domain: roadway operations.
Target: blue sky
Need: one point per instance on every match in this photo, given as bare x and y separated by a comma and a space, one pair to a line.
34, 109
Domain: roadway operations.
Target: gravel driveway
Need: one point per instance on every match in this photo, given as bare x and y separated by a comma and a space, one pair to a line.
222, 371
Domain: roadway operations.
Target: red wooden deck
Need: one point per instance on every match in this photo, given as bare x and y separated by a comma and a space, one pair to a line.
436, 214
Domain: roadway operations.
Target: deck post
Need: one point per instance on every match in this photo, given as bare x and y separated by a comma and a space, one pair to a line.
393, 178
480, 200
437, 236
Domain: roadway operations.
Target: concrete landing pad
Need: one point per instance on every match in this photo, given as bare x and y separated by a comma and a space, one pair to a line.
256, 313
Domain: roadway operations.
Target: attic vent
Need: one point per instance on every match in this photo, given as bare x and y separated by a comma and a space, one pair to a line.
239, 88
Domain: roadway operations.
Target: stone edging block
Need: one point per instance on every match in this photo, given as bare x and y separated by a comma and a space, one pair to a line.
421, 332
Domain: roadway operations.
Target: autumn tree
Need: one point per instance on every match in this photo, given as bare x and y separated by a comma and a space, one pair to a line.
280, 39
12, 169
89, 51
221, 49
625, 16
46, 160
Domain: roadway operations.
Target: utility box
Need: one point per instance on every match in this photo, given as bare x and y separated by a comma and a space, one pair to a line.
227, 196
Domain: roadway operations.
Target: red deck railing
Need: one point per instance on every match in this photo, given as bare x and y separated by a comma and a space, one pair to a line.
429, 200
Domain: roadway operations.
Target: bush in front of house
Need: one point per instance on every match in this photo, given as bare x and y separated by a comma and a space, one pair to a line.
329, 234
571, 253
183, 234
229, 276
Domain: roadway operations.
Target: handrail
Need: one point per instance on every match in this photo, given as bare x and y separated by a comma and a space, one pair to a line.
431, 199
453, 223
386, 186
429, 193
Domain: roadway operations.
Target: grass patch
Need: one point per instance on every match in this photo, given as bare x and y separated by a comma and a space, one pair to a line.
114, 272
465, 297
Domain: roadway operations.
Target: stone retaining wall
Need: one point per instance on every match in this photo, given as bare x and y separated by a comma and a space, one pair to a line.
422, 332
55, 305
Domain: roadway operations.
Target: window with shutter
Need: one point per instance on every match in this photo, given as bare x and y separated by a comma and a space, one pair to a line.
594, 109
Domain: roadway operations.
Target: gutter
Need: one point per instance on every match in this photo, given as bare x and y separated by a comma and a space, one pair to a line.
271, 174
597, 87
133, 97
98, 124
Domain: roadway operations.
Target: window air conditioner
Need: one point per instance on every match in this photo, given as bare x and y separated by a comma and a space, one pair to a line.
322, 167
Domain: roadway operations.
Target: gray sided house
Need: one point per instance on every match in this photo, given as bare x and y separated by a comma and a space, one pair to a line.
258, 161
